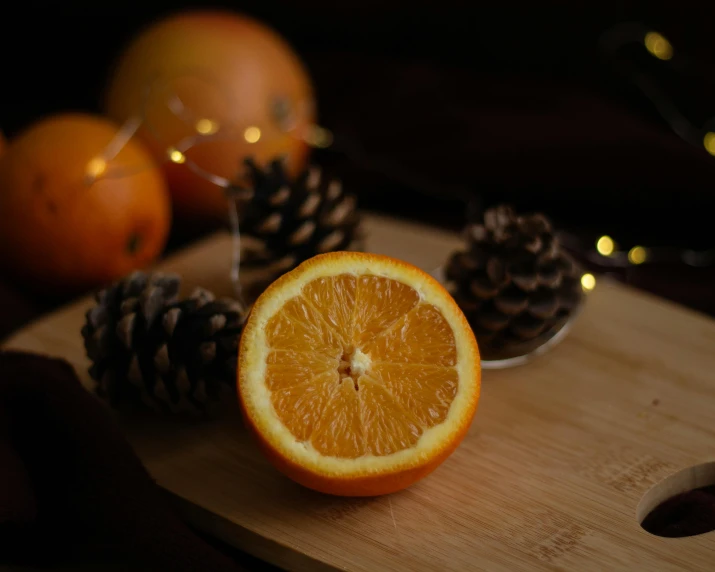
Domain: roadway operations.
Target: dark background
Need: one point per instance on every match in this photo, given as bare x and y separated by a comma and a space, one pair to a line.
434, 103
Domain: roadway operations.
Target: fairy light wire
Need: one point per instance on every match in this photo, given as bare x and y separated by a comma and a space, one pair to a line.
236, 251
659, 47
320, 137
98, 166
209, 130
205, 129
637, 255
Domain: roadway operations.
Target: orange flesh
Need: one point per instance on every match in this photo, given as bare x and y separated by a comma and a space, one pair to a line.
360, 366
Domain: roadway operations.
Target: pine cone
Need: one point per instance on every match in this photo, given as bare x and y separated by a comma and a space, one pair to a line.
515, 284
148, 347
292, 221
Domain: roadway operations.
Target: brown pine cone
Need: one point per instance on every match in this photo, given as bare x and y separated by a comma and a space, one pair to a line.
290, 221
149, 348
514, 283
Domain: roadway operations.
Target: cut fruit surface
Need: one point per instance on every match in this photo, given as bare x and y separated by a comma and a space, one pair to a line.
358, 373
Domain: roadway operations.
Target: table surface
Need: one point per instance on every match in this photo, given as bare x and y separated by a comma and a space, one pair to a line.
551, 474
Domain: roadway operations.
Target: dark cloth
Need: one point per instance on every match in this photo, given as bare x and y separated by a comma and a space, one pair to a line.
70, 484
16, 309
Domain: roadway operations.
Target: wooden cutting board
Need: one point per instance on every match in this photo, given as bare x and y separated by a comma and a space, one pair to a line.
551, 475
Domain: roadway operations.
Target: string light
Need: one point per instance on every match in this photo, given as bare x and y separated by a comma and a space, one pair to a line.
95, 169
605, 246
206, 126
588, 281
319, 137
176, 156
709, 142
97, 166
658, 46
637, 255
252, 134
699, 136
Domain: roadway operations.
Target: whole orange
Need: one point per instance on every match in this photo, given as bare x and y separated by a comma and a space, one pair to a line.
62, 232
213, 71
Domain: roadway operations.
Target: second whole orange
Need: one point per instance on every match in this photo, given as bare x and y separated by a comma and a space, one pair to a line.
201, 71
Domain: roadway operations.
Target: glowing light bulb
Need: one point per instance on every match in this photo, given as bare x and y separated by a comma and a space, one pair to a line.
588, 281
637, 255
206, 126
252, 134
658, 46
177, 156
96, 168
709, 142
605, 246
318, 137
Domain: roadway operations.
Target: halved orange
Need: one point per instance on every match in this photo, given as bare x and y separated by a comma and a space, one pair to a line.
358, 373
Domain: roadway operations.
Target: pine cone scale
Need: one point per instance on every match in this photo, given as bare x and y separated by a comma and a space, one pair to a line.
512, 303
483, 288
310, 205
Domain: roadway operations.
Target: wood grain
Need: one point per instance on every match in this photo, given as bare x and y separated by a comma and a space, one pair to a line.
550, 476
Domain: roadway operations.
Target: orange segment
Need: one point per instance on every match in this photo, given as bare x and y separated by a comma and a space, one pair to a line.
286, 368
388, 427
300, 407
299, 327
340, 427
358, 373
422, 336
425, 391
380, 303
334, 298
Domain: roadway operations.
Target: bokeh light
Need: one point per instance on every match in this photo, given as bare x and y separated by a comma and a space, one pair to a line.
709, 142
637, 255
605, 246
658, 46
206, 126
588, 281
252, 134
96, 168
177, 156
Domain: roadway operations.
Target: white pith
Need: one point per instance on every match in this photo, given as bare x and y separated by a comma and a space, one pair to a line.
359, 363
